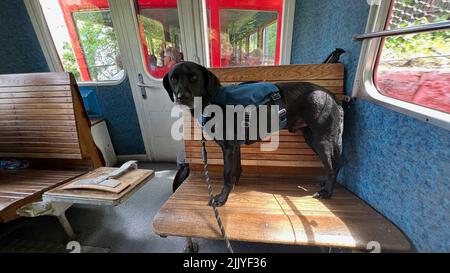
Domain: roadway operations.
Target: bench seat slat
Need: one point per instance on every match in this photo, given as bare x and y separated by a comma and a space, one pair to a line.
40, 106
43, 155
21, 117
282, 72
38, 88
44, 139
38, 144
29, 133
37, 112
40, 123
53, 128
256, 156
34, 79
40, 150
35, 95
18, 101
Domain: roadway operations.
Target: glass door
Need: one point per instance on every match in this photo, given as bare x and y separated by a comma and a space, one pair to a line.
154, 35
244, 33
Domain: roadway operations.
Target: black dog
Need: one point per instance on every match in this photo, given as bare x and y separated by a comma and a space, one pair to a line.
309, 107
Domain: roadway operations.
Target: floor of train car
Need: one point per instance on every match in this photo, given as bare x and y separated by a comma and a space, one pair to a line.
125, 228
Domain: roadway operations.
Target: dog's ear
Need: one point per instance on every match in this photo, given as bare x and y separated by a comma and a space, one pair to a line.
212, 83
167, 86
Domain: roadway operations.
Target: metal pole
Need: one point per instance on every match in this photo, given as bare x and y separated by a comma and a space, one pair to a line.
406, 30
66, 226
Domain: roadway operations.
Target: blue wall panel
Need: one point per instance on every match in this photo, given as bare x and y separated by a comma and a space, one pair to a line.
117, 107
399, 165
20, 51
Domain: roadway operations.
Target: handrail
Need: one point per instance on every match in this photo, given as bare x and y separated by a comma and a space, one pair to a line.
401, 31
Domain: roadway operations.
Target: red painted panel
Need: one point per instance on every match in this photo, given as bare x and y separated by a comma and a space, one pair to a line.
155, 4
249, 4
76, 5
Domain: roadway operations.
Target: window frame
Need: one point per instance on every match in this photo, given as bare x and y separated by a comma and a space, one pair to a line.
364, 86
48, 46
50, 53
287, 28
143, 44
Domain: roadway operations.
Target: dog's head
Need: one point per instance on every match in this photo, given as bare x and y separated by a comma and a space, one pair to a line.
187, 80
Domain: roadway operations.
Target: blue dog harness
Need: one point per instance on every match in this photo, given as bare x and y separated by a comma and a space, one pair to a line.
245, 94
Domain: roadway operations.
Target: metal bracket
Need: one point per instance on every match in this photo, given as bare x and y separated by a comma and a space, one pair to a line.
57, 209
346, 98
191, 247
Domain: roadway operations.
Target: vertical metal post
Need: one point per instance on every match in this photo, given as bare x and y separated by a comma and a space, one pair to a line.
66, 226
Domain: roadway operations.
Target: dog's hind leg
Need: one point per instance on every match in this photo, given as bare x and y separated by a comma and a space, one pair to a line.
329, 154
307, 133
329, 149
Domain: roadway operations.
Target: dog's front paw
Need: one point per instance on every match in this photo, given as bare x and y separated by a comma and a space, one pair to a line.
322, 194
219, 200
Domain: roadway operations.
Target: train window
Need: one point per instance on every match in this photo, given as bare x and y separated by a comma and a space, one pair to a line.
416, 67
244, 33
84, 37
405, 59
159, 28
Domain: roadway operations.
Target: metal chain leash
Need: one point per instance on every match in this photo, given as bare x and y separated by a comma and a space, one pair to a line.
211, 197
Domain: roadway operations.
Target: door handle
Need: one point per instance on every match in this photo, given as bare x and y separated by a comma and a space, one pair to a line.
143, 86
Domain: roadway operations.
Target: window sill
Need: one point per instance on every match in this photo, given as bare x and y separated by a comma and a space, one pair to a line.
370, 93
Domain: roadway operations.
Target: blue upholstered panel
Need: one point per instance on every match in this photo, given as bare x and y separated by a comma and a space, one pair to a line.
20, 51
117, 107
399, 165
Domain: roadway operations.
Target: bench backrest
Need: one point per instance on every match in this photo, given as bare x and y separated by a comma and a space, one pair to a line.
293, 155
42, 118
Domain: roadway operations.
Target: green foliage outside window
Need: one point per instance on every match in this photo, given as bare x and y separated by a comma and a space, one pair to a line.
99, 45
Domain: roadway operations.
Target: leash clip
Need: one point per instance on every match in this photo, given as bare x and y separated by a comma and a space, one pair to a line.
282, 113
275, 96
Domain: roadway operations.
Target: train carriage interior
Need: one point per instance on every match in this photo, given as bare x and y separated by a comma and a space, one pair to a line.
92, 161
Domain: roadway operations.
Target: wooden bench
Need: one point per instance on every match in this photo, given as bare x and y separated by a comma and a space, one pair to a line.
42, 119
273, 201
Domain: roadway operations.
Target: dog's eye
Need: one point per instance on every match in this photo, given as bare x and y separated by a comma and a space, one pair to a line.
194, 78
173, 79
